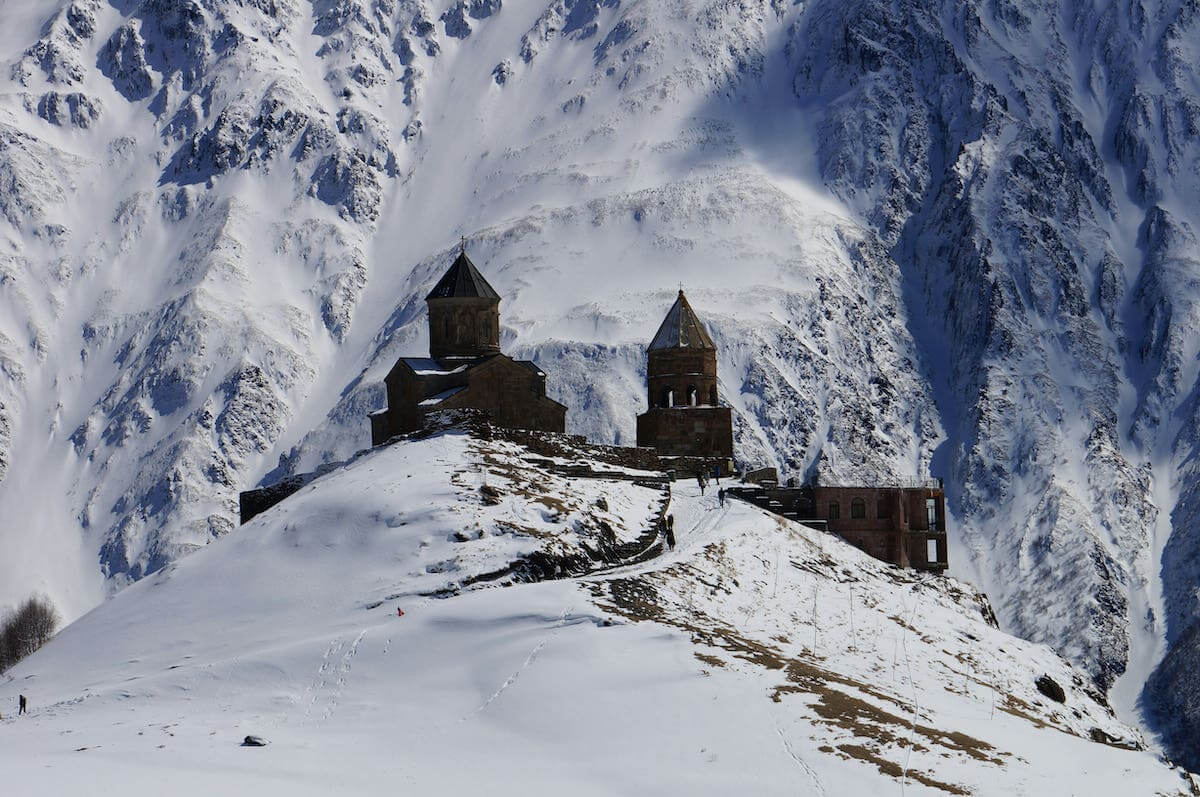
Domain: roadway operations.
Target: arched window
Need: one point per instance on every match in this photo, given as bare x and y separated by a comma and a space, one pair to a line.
447, 332
835, 510
692, 395
665, 401
712, 396
884, 509
858, 509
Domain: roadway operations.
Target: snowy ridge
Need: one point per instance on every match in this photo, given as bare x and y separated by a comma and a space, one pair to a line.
947, 237
758, 655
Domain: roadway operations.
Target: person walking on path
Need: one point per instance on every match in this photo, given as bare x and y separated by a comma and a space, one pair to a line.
700, 481
717, 473
721, 496
20, 705
670, 532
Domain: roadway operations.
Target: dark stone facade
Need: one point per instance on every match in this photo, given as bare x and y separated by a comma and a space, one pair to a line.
684, 418
905, 526
511, 392
679, 377
688, 431
465, 369
463, 328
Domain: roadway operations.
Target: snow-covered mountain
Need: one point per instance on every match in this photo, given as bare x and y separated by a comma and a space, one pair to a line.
956, 237
758, 656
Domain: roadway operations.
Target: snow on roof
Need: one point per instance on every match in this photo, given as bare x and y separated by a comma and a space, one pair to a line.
532, 366
681, 329
440, 397
426, 366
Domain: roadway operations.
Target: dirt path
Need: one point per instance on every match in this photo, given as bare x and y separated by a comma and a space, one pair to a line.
696, 518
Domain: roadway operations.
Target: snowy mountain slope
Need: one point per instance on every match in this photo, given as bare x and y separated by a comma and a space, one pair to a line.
956, 237
1040, 200
758, 656
230, 137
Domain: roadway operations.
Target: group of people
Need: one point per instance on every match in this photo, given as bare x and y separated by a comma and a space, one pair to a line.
667, 524
702, 480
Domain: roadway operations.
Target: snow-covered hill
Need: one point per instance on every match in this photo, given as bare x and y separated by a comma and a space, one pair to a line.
952, 236
759, 657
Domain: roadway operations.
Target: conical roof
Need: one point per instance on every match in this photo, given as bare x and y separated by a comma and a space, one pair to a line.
462, 280
681, 329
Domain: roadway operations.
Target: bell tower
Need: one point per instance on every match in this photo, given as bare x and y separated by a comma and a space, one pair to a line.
681, 365
464, 313
684, 417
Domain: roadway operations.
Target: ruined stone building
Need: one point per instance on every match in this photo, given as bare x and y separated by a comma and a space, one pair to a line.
465, 367
902, 525
684, 418
905, 526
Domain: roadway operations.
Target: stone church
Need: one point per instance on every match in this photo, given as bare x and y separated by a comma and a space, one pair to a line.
465, 368
684, 418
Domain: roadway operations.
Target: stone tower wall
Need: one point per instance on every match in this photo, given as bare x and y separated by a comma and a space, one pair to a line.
680, 371
687, 432
461, 327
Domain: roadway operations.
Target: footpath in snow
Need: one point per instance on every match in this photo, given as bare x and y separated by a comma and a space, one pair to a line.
758, 657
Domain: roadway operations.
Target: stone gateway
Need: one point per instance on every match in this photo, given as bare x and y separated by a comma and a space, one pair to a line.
465, 368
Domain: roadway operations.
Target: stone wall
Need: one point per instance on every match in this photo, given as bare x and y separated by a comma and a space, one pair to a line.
512, 395
688, 431
894, 525
681, 371
463, 327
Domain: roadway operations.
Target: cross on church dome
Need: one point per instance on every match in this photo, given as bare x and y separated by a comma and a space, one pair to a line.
462, 281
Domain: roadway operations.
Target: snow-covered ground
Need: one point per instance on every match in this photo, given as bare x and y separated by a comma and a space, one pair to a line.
759, 657
930, 237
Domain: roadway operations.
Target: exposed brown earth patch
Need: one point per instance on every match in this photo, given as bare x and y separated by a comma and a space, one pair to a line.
834, 706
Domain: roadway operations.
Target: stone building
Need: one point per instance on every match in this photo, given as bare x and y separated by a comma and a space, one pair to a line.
465, 367
902, 525
905, 526
684, 418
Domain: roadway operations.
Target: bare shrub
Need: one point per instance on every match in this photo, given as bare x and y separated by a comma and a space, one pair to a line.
26, 628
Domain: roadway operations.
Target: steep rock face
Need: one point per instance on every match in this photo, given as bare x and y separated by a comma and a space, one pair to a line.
943, 236
1175, 688
979, 153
